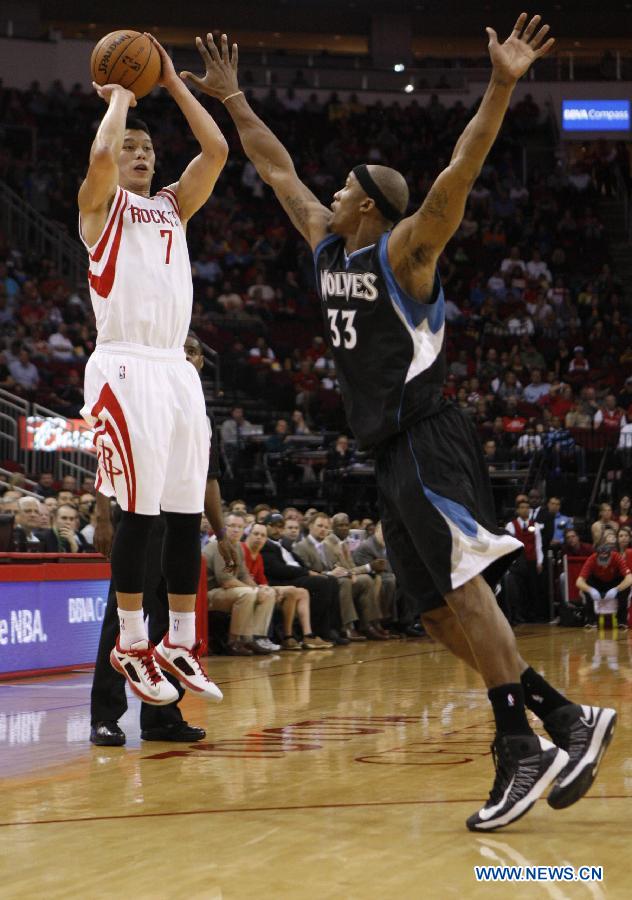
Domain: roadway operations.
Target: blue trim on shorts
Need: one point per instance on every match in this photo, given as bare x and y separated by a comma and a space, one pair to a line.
455, 512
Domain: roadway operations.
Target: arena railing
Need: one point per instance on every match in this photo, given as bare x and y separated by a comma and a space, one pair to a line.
28, 229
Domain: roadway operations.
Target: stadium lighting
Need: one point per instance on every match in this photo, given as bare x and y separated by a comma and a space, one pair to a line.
409, 88
399, 67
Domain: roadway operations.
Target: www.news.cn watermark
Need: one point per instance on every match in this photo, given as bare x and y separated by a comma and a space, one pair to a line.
538, 873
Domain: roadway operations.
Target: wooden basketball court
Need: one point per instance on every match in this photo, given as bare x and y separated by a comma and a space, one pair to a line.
334, 775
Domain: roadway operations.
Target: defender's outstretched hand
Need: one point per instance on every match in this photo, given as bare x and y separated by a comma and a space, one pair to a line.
523, 46
220, 79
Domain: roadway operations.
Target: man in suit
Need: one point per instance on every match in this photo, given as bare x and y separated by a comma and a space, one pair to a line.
372, 552
365, 582
282, 566
315, 554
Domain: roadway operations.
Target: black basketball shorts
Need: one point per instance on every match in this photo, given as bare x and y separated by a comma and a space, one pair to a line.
437, 509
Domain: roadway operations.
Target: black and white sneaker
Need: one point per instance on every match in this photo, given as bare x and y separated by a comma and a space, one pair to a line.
525, 766
584, 732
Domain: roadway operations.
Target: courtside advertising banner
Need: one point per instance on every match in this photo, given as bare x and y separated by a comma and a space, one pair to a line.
50, 624
595, 115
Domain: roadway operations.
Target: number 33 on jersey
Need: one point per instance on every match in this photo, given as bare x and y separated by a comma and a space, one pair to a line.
387, 346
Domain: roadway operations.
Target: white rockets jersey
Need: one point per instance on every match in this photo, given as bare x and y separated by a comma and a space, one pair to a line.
139, 272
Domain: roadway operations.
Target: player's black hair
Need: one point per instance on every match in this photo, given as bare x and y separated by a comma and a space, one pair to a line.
134, 124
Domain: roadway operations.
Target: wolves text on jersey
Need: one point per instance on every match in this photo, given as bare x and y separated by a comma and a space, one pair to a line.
159, 216
350, 285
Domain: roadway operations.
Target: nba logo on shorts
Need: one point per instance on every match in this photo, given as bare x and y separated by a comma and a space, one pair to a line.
122, 372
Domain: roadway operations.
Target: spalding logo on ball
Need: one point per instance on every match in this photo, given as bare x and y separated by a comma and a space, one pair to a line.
127, 58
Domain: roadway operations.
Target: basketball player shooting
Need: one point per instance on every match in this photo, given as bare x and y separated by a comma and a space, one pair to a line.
383, 305
142, 397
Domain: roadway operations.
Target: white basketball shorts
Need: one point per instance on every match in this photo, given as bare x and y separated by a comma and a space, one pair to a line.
151, 432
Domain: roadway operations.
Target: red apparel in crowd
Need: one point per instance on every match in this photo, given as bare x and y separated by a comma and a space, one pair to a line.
514, 424
617, 565
582, 550
560, 406
254, 565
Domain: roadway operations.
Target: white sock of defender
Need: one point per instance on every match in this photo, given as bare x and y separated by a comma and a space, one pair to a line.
132, 625
182, 628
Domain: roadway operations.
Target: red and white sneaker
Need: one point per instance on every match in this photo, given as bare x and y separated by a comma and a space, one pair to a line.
185, 665
143, 675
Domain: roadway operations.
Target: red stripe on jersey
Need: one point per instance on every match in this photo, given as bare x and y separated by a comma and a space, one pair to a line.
107, 400
99, 480
171, 197
102, 284
100, 248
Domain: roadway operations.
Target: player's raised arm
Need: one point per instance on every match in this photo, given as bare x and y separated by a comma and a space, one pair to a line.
99, 185
263, 148
422, 236
198, 179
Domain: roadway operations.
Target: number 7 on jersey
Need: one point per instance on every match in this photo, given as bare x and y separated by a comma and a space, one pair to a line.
168, 233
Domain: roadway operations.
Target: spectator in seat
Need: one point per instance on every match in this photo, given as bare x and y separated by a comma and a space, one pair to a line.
86, 508
276, 442
293, 600
537, 389
341, 455
24, 373
314, 553
610, 417
69, 399
282, 566
232, 427
578, 364
63, 537
45, 486
230, 301
512, 261
372, 552
69, 483
261, 512
573, 546
604, 523
291, 532
365, 589
623, 516
26, 532
624, 544
524, 574
299, 425
60, 344
624, 400
494, 458
604, 579
236, 592
536, 267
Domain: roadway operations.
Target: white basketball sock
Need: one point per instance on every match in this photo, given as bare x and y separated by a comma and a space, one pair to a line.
132, 625
182, 628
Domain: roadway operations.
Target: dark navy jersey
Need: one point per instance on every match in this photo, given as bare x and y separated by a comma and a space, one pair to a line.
389, 349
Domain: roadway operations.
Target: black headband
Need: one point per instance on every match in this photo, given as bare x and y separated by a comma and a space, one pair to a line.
371, 189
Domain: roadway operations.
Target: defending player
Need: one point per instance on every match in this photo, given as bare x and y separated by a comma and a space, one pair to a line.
142, 397
384, 310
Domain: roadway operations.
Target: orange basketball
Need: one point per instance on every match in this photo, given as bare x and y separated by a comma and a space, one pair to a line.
127, 58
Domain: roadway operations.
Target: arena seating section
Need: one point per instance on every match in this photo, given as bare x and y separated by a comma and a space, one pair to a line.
254, 289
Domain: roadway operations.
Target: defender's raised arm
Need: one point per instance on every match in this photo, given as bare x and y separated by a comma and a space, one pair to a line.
423, 235
263, 148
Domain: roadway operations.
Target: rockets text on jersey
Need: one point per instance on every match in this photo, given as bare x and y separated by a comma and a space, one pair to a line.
139, 272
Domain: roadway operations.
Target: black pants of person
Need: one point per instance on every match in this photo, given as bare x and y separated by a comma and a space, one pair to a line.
324, 603
528, 602
108, 701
